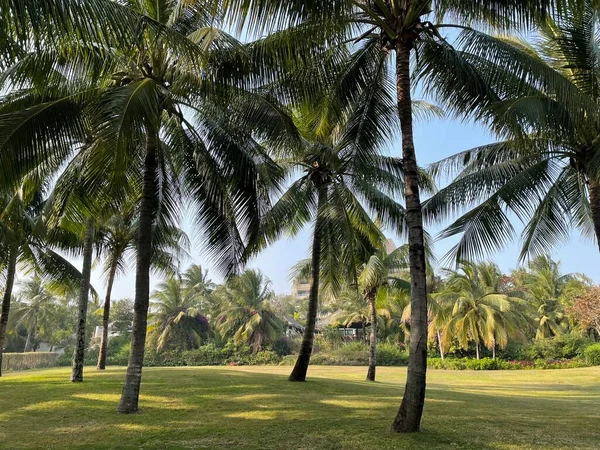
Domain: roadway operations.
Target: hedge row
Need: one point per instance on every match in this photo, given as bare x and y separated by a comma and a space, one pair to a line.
497, 364
30, 360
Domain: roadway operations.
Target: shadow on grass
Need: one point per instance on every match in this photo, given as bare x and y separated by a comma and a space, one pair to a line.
224, 408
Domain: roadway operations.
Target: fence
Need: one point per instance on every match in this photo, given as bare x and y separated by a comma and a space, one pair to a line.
31, 360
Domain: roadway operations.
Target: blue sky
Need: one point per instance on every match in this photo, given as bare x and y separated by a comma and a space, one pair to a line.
434, 140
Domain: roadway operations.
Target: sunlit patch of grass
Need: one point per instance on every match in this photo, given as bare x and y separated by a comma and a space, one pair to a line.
257, 408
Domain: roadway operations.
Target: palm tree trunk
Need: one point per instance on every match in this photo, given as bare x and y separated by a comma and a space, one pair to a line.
409, 415
477, 349
10, 281
439, 338
30, 333
106, 317
373, 340
594, 188
133, 379
79, 352
301, 367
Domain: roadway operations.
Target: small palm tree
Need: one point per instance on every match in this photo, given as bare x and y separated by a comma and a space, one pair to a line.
117, 242
199, 286
35, 310
24, 236
246, 312
480, 312
377, 277
176, 317
543, 284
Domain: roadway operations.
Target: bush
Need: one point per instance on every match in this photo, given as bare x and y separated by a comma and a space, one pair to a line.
592, 354
389, 354
283, 346
29, 360
207, 355
498, 364
566, 346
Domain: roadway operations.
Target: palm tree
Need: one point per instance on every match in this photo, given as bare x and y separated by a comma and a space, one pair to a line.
543, 284
24, 236
399, 28
379, 274
344, 181
198, 285
161, 111
546, 170
82, 305
36, 309
246, 312
117, 239
480, 312
177, 317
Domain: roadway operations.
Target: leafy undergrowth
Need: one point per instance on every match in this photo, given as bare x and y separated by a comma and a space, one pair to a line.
257, 408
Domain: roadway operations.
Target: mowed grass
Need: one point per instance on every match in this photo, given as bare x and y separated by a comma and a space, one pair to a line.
257, 408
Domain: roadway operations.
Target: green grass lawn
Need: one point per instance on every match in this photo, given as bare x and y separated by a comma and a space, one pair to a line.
256, 408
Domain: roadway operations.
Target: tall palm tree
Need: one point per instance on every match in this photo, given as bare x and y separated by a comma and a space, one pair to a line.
82, 305
345, 181
154, 98
246, 312
480, 312
177, 317
36, 308
399, 29
546, 170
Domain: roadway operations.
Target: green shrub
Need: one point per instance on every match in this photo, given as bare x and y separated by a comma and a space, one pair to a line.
290, 360
592, 354
265, 357
29, 360
206, 355
565, 346
498, 364
389, 354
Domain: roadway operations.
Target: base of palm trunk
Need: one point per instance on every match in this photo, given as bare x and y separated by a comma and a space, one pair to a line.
371, 374
300, 369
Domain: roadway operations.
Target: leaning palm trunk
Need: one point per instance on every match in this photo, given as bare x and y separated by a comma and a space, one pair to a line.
439, 339
133, 379
301, 367
373, 339
10, 281
594, 190
409, 415
79, 352
105, 318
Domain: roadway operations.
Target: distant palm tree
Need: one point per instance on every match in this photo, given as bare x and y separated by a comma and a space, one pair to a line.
543, 284
480, 312
176, 317
379, 276
24, 237
36, 309
246, 312
117, 242
199, 286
